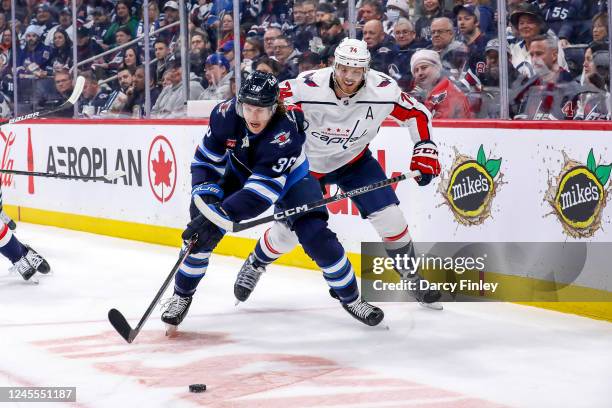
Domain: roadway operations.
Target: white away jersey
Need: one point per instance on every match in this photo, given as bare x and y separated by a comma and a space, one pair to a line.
341, 128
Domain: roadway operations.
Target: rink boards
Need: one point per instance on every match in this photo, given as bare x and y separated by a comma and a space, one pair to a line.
501, 181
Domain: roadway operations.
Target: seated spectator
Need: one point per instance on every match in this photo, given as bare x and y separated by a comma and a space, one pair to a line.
407, 43
600, 28
171, 100
396, 9
228, 52
548, 95
286, 56
325, 12
65, 23
216, 70
200, 50
308, 61
331, 33
592, 101
45, 20
490, 77
124, 18
370, 10
381, 47
431, 11
252, 50
64, 87
87, 47
154, 24
304, 28
61, 52
226, 30
131, 59
440, 95
32, 61
115, 60
268, 65
117, 100
161, 53
136, 102
486, 16
470, 35
561, 16
101, 24
271, 34
6, 44
528, 22
93, 99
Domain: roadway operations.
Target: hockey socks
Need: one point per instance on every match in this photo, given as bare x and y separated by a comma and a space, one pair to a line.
10, 246
191, 273
341, 279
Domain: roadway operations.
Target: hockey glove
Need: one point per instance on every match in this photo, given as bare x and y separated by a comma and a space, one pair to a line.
425, 159
209, 192
209, 234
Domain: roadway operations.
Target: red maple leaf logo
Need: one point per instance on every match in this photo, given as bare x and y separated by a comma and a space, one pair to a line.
162, 168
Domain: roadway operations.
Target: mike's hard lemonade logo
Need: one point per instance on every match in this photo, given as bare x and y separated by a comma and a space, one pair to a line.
578, 195
471, 186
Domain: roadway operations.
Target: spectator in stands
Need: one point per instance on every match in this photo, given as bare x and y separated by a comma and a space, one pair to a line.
115, 60
470, 35
486, 16
490, 77
124, 18
117, 100
431, 10
32, 61
136, 94
226, 30
269, 65
442, 34
561, 16
443, 98
271, 34
370, 10
65, 23
405, 39
161, 53
325, 12
93, 98
528, 22
200, 50
593, 102
381, 47
600, 28
252, 50
63, 86
304, 28
6, 44
3, 23
45, 19
286, 55
217, 70
131, 58
101, 24
154, 24
87, 48
308, 61
550, 94
61, 53
171, 100
228, 52
396, 9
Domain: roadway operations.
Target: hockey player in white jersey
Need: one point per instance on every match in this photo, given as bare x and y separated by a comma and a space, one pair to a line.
344, 107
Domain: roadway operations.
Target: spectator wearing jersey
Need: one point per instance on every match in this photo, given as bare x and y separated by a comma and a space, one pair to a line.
32, 61
431, 11
45, 19
154, 24
124, 18
117, 100
216, 70
87, 48
286, 56
61, 53
171, 15
93, 99
561, 16
382, 48
115, 60
65, 24
550, 94
470, 34
440, 95
304, 24
6, 45
331, 33
407, 43
101, 24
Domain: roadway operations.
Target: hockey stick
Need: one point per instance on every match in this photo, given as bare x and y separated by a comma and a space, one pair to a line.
113, 175
76, 93
120, 323
230, 226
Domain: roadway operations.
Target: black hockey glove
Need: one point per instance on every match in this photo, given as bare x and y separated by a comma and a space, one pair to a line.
209, 234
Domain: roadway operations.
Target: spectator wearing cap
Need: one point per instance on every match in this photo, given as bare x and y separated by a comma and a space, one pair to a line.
154, 24
101, 24
592, 101
93, 99
472, 36
431, 10
124, 18
331, 33
60, 58
381, 46
304, 25
286, 56
490, 77
65, 23
228, 51
308, 61
528, 22
486, 16
550, 94
396, 9
217, 72
440, 95
87, 47
407, 43
271, 34
45, 19
32, 60
325, 12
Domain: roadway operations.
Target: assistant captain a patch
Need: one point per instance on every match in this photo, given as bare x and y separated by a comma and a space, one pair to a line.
281, 139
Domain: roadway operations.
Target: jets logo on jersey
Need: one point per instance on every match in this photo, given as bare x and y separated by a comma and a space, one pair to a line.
224, 107
436, 99
281, 139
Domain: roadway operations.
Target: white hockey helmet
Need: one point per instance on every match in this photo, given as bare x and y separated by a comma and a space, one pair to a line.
352, 53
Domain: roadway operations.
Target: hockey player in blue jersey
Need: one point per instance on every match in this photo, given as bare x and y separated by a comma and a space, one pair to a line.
251, 158
26, 261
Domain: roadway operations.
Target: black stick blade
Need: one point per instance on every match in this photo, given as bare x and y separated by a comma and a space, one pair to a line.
120, 324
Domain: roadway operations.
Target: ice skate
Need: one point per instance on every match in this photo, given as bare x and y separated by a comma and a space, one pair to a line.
362, 311
247, 278
29, 264
175, 311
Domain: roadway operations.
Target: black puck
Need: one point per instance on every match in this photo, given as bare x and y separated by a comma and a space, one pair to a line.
197, 388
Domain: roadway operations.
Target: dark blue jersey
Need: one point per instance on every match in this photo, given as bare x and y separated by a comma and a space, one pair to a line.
254, 170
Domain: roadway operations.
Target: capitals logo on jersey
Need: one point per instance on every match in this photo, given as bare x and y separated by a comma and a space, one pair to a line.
281, 139
438, 98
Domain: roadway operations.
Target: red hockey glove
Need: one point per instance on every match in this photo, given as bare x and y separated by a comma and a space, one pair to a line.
425, 159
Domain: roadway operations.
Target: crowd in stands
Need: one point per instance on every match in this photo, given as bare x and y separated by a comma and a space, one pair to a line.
443, 52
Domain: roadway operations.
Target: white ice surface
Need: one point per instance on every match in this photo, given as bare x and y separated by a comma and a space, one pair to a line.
290, 345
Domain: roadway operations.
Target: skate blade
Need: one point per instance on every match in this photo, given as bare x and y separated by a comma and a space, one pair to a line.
432, 306
171, 330
237, 302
